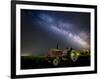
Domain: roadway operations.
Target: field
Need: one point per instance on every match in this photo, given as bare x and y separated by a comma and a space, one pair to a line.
37, 62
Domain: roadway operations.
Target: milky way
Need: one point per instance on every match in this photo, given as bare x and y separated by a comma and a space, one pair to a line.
42, 30
63, 29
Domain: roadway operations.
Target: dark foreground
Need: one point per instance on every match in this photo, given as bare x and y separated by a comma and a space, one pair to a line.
30, 63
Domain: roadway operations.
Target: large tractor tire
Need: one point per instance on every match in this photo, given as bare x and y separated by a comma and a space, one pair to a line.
56, 61
74, 55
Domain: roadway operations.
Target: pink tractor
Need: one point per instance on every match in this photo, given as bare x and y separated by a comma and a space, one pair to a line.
55, 56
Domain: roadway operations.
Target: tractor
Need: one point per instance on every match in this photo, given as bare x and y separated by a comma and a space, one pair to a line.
55, 56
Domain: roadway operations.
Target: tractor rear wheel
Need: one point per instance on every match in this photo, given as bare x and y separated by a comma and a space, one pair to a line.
73, 56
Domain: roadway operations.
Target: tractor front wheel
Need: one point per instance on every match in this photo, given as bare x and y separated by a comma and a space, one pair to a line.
56, 61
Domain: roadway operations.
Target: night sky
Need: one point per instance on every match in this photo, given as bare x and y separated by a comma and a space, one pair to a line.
41, 30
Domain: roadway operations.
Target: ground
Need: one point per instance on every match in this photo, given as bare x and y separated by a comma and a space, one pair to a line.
34, 62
